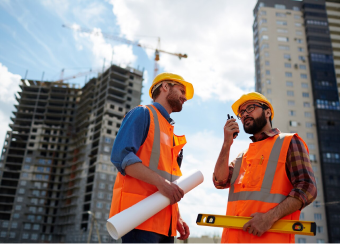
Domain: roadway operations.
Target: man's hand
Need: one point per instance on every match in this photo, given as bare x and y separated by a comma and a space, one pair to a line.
170, 190
260, 223
183, 229
229, 129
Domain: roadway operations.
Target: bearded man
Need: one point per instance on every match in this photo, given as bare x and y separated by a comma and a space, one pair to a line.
271, 180
145, 153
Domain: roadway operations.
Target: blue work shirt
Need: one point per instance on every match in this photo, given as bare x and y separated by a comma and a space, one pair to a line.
131, 136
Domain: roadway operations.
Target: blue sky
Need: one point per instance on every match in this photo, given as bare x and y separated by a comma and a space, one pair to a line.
216, 35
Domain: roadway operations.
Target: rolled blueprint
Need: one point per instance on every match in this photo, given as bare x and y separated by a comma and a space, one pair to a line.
125, 221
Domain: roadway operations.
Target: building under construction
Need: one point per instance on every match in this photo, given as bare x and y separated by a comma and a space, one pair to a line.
56, 177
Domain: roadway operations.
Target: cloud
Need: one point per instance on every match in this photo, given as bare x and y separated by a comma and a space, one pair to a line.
201, 153
9, 85
217, 39
121, 54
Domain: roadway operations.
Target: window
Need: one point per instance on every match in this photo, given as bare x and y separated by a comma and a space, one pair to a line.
298, 24
5, 224
25, 236
280, 6
279, 22
306, 104
36, 227
3, 234
17, 207
289, 83
283, 47
99, 205
266, 54
304, 85
301, 240
263, 12
305, 94
100, 195
23, 182
286, 56
34, 237
288, 74
317, 216
12, 235
282, 30
311, 146
310, 135
28, 160
21, 191
282, 39
20, 199
298, 40
103, 176
101, 186
107, 140
267, 72
302, 58
296, 8
299, 33
293, 123
106, 149
105, 158
308, 114
280, 15
27, 167
302, 66
319, 229
303, 76
24, 175
320, 241
288, 65
291, 103
316, 204
290, 93
267, 63
269, 91
296, 16
264, 37
262, 21
268, 81
300, 49
292, 113
309, 125
27, 226
108, 131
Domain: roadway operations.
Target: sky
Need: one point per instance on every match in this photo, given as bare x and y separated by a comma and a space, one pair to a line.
216, 36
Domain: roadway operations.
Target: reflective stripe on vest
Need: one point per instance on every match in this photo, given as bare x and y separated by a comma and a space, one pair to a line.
156, 150
264, 194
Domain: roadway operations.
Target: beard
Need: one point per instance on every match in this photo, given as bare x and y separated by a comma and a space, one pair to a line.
257, 125
174, 101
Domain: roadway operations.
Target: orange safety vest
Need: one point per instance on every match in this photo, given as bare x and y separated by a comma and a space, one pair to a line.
158, 152
253, 189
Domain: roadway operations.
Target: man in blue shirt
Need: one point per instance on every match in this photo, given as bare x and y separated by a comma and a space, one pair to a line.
169, 92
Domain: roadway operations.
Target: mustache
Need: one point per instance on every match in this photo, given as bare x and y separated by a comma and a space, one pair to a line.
246, 119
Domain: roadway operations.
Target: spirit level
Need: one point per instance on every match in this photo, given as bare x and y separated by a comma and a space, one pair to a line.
282, 226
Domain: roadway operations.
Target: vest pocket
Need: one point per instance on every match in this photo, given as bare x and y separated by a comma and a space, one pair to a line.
255, 171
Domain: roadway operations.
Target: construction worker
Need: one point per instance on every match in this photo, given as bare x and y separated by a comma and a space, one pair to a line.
145, 153
271, 180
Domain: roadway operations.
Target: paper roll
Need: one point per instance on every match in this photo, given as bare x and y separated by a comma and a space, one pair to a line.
125, 221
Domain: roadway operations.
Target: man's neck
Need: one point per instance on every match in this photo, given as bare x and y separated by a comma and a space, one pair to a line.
267, 127
165, 104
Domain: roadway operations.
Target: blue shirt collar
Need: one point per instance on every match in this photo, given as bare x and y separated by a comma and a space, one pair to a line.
163, 111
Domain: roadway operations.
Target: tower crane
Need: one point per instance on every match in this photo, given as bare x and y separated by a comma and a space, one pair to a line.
124, 40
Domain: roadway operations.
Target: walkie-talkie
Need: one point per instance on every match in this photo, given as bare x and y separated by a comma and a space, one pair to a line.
235, 134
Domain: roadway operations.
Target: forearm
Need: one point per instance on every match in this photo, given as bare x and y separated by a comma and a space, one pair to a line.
286, 207
143, 173
221, 170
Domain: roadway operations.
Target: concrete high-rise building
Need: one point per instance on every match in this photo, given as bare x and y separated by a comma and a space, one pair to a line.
295, 70
333, 13
56, 177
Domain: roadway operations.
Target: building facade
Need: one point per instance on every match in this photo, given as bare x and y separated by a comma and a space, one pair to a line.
56, 178
295, 70
333, 13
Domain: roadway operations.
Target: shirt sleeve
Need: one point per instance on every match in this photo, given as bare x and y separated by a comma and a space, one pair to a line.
130, 137
223, 184
300, 172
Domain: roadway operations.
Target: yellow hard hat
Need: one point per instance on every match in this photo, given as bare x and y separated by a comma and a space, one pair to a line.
169, 76
252, 96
